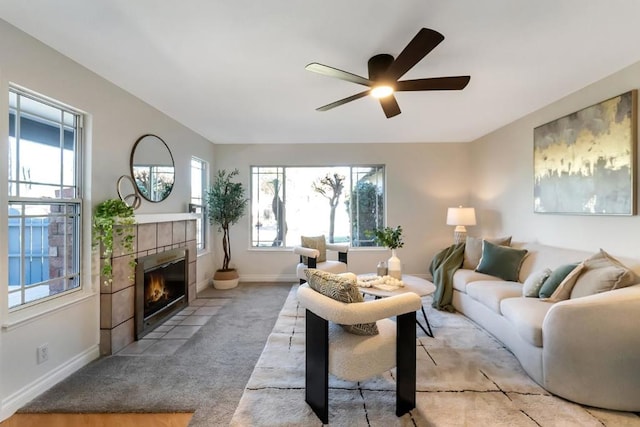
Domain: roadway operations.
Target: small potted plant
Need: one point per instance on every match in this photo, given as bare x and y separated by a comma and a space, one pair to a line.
113, 217
392, 239
226, 204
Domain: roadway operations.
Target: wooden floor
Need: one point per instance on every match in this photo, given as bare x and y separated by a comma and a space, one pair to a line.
98, 420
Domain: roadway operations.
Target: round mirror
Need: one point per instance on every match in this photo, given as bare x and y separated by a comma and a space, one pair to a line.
152, 168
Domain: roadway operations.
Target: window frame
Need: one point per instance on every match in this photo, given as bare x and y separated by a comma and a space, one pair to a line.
75, 202
197, 205
282, 171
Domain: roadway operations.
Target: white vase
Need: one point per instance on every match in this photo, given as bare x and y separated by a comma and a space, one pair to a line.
394, 266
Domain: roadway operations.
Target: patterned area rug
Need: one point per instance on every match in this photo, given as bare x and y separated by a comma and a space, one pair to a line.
465, 377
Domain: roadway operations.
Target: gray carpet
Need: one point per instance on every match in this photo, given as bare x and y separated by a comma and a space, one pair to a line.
465, 377
206, 375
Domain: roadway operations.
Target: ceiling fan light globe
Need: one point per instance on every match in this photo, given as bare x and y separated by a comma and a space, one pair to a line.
381, 91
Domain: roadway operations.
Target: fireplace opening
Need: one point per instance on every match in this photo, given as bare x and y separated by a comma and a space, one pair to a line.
161, 288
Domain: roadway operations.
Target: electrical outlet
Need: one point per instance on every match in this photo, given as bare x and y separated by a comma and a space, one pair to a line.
43, 353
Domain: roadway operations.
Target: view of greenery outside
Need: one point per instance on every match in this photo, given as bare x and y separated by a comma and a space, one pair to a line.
343, 203
366, 213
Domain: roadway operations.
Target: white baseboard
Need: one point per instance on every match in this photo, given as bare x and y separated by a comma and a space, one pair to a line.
203, 284
206, 284
27, 393
268, 278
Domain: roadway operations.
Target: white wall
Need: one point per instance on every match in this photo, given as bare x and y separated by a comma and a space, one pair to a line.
116, 120
422, 181
502, 181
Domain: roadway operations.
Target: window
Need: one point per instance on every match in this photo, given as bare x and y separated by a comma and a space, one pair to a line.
44, 198
345, 203
199, 182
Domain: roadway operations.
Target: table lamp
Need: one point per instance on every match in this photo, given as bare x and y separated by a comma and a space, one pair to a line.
460, 217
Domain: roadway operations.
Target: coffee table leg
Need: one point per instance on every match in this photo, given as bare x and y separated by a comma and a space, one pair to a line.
430, 333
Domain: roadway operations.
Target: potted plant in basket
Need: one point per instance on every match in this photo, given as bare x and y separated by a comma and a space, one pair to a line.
226, 204
392, 239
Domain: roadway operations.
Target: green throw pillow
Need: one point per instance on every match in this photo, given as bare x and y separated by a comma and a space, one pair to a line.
473, 250
501, 261
343, 289
557, 276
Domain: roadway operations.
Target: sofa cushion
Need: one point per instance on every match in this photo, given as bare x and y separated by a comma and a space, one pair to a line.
554, 280
490, 294
533, 283
473, 250
601, 273
462, 277
526, 315
501, 261
379, 350
340, 288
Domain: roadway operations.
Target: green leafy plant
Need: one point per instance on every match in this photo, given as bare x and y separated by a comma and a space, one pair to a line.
389, 237
226, 204
113, 217
364, 206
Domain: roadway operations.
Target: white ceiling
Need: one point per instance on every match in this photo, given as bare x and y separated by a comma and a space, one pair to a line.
233, 70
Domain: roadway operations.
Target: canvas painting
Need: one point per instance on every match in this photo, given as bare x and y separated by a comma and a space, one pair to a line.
584, 163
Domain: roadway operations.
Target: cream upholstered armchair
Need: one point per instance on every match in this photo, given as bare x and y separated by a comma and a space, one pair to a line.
313, 258
331, 349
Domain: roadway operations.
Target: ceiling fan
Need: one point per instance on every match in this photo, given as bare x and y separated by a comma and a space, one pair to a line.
384, 72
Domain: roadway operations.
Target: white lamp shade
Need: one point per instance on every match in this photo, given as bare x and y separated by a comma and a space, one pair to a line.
461, 216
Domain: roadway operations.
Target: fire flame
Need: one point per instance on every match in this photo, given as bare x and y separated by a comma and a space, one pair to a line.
155, 291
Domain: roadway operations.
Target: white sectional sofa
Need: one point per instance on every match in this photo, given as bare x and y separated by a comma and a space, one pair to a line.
584, 349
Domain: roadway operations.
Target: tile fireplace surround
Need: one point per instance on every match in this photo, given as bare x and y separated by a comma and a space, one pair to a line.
154, 234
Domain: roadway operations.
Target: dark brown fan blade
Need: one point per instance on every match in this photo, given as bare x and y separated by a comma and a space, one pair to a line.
343, 101
338, 74
390, 106
436, 83
424, 42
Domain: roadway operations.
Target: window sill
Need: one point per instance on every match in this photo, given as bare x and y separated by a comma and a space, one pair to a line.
290, 249
203, 253
271, 248
22, 317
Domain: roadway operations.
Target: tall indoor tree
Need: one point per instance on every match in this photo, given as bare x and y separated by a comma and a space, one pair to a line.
226, 204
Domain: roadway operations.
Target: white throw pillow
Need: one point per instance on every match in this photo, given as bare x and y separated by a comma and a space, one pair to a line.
533, 283
602, 273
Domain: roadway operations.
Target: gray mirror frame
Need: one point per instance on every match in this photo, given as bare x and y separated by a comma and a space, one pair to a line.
133, 176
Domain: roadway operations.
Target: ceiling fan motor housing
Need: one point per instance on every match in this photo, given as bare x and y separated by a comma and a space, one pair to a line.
378, 66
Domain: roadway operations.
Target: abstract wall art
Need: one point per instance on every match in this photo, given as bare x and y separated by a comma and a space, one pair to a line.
584, 163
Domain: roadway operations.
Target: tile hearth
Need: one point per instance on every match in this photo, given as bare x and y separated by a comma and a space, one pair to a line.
168, 337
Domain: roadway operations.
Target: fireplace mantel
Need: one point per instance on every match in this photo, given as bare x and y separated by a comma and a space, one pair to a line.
164, 217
